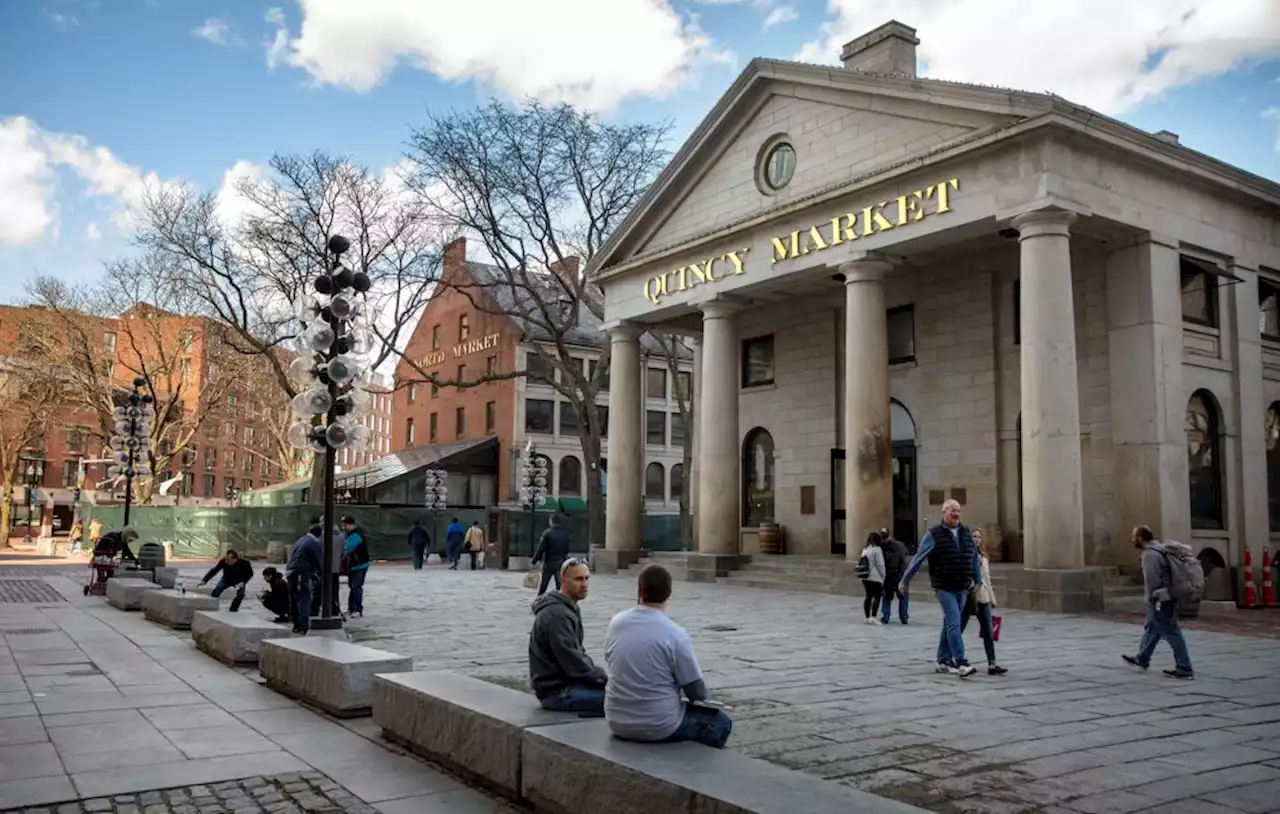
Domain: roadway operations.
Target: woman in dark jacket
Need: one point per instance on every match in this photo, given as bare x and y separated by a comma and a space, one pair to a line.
355, 553
276, 597
236, 573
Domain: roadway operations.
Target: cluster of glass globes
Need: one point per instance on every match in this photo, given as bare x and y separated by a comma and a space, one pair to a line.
333, 347
436, 489
131, 444
533, 478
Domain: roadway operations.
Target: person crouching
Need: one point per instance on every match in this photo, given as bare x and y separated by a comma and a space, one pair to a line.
236, 573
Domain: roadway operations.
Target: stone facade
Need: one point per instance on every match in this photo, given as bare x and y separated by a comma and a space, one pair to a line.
1054, 288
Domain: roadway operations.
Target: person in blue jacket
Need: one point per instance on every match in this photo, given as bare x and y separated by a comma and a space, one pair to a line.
356, 550
453, 537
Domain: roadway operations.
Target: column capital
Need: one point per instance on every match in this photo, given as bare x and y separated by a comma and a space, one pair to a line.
1048, 221
624, 332
719, 309
870, 267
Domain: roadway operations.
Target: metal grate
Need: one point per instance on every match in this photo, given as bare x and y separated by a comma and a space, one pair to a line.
28, 591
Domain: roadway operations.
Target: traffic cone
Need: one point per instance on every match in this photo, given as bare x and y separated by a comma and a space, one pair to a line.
1250, 592
1268, 589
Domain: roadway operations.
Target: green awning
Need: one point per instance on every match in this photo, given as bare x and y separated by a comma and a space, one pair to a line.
564, 505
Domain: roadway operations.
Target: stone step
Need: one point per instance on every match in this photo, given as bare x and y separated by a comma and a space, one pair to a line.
743, 580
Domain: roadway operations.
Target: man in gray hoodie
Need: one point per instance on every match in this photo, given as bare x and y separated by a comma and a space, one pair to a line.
562, 674
1162, 610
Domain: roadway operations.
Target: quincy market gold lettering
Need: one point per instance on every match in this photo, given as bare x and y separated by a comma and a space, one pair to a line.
711, 270
465, 348
880, 217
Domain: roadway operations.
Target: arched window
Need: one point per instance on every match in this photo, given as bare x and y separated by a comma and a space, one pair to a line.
1273, 465
757, 478
1204, 461
655, 481
570, 480
902, 427
677, 481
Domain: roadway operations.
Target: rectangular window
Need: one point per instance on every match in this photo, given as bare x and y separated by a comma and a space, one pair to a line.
210, 480
592, 366
435, 337
901, 323
1269, 309
460, 422
464, 327
490, 417
539, 368
462, 373
568, 419
757, 361
230, 487
655, 383
678, 433
230, 459
186, 368
1199, 293
408, 432
187, 338
491, 365
655, 427
70, 469
246, 465
109, 341
188, 457
188, 483
413, 392
539, 415
684, 385
77, 437
210, 456
433, 428
233, 400
248, 435
602, 415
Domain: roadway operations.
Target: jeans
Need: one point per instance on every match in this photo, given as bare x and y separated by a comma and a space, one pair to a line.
473, 553
983, 612
950, 642
301, 587
710, 727
355, 598
575, 698
1162, 623
224, 585
871, 602
454, 552
550, 570
419, 554
886, 602
278, 608
334, 610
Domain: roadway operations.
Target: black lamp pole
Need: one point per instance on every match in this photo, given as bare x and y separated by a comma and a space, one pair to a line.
137, 402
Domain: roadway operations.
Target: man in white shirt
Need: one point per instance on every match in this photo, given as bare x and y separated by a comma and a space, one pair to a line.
650, 660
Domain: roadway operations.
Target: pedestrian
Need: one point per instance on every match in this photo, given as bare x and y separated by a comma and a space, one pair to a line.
116, 544
1162, 607
895, 563
236, 573
982, 601
474, 542
563, 676
95, 531
872, 571
552, 550
954, 568
275, 597
305, 562
418, 542
453, 536
355, 550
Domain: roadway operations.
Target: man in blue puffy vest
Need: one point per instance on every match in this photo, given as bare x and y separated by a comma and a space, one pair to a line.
954, 568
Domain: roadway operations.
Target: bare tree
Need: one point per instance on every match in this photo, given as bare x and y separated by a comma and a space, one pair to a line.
250, 271
541, 188
32, 394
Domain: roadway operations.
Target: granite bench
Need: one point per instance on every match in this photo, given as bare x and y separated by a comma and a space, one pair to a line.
166, 576
174, 609
335, 676
127, 594
581, 768
470, 725
234, 638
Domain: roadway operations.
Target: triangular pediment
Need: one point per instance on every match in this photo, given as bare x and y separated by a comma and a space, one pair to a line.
843, 126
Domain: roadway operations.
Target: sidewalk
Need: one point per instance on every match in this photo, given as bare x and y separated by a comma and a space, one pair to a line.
103, 711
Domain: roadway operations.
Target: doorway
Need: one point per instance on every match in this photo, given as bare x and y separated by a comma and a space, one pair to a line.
902, 432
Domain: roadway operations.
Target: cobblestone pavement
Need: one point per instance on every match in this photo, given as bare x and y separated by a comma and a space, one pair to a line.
1069, 729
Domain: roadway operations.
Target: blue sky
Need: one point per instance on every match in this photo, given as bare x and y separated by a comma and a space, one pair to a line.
103, 96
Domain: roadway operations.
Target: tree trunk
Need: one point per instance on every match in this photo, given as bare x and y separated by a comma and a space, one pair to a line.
595, 496
6, 513
686, 464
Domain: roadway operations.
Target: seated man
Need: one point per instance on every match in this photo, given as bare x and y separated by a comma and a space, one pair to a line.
276, 596
116, 544
651, 660
562, 674
236, 573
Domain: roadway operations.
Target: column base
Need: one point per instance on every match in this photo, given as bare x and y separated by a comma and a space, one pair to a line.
613, 560
710, 567
1055, 590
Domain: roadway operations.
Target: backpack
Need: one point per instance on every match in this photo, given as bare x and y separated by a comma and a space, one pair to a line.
864, 567
1187, 573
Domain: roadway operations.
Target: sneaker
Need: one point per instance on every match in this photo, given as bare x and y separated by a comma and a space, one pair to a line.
280, 619
996, 670
966, 670
943, 669
868, 621
904, 621
1185, 675
884, 621
1134, 661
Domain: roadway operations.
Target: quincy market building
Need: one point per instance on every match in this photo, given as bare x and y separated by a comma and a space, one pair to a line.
904, 290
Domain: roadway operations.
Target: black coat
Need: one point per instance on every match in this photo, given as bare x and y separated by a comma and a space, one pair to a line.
418, 537
553, 546
242, 571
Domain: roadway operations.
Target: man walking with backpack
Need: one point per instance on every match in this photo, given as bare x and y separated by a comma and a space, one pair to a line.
1169, 574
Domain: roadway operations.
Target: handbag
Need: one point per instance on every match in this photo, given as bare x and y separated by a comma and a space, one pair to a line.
995, 627
532, 578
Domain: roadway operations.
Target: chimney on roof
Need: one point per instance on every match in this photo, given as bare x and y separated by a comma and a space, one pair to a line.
455, 252
889, 49
1167, 136
566, 270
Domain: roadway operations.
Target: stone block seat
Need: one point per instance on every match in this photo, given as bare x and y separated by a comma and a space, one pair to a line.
335, 676
234, 638
166, 576
472, 726
174, 609
581, 768
127, 594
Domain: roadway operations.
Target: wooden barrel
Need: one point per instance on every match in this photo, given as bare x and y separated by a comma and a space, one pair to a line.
770, 538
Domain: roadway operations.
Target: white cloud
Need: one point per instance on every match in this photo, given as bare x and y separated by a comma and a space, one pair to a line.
278, 45
93, 231
29, 160
1273, 113
1107, 55
216, 31
231, 205
62, 21
779, 15
613, 50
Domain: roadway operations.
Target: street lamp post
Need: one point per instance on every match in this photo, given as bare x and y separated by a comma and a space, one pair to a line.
332, 373
131, 443
533, 485
34, 477
436, 492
